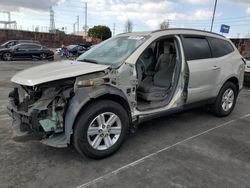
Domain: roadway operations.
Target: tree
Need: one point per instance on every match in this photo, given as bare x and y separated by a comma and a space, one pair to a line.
128, 26
100, 31
164, 25
59, 32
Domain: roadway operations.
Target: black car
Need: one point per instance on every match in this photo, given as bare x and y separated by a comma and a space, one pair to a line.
11, 43
26, 51
76, 50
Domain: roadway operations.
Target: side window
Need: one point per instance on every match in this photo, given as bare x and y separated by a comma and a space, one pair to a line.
10, 44
220, 47
80, 48
196, 48
33, 47
22, 47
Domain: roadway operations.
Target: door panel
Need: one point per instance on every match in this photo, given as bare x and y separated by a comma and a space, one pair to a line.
203, 70
34, 50
21, 52
203, 79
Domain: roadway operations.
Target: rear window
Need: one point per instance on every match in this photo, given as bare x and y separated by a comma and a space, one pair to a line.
33, 47
196, 48
220, 47
29, 46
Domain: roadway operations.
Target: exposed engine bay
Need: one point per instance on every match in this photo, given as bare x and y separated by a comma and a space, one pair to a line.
40, 109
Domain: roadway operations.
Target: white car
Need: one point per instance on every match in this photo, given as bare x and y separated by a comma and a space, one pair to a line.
93, 102
58, 51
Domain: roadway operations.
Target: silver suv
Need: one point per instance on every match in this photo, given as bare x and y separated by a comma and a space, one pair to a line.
93, 102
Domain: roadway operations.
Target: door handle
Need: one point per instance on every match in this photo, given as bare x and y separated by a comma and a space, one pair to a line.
216, 68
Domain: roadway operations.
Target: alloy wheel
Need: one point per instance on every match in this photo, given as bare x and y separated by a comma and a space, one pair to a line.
227, 101
104, 131
43, 56
7, 56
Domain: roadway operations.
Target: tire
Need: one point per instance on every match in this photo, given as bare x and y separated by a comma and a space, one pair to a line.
224, 104
100, 143
43, 56
7, 56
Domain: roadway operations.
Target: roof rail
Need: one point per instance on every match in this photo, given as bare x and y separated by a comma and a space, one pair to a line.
123, 33
187, 29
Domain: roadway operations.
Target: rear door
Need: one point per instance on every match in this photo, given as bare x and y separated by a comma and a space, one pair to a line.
203, 70
34, 50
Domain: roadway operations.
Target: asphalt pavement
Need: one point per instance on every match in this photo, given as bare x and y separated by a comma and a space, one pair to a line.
188, 149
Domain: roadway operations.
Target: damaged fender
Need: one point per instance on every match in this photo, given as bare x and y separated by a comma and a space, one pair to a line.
83, 96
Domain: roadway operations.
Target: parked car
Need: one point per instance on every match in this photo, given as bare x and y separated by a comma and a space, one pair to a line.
58, 51
11, 43
247, 70
94, 101
26, 51
76, 50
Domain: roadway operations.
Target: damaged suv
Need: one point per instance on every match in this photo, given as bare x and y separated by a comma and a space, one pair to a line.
94, 101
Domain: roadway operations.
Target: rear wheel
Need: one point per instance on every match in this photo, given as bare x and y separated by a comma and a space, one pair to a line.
43, 56
7, 56
101, 129
226, 99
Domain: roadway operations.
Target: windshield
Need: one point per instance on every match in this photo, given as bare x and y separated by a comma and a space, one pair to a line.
4, 44
70, 47
8, 44
113, 51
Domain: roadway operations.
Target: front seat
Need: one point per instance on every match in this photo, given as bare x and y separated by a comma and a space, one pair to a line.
164, 58
156, 88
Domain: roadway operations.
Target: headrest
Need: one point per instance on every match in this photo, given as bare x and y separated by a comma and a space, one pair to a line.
147, 53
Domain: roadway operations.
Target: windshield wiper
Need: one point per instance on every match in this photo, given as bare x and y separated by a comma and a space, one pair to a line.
89, 61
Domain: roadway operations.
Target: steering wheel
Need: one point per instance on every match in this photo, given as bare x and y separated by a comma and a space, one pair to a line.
142, 66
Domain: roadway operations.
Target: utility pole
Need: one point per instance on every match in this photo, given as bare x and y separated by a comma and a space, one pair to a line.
212, 24
74, 28
78, 24
9, 22
86, 17
114, 29
52, 26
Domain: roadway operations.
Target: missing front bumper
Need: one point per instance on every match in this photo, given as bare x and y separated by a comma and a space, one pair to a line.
23, 123
23, 129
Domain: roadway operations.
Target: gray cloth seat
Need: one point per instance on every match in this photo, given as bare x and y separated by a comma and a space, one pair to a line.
164, 58
157, 87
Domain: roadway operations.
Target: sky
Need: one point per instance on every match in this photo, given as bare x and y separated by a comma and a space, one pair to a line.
146, 15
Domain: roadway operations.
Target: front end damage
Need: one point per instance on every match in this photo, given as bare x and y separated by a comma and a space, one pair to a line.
39, 111
47, 111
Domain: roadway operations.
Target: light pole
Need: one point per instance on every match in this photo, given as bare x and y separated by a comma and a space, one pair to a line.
212, 24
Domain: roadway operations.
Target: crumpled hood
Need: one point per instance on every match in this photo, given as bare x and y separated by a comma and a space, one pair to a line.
55, 71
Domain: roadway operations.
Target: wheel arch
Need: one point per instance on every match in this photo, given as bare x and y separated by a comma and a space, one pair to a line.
85, 97
234, 80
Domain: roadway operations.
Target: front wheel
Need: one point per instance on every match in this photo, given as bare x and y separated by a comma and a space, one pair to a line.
101, 129
226, 99
7, 56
